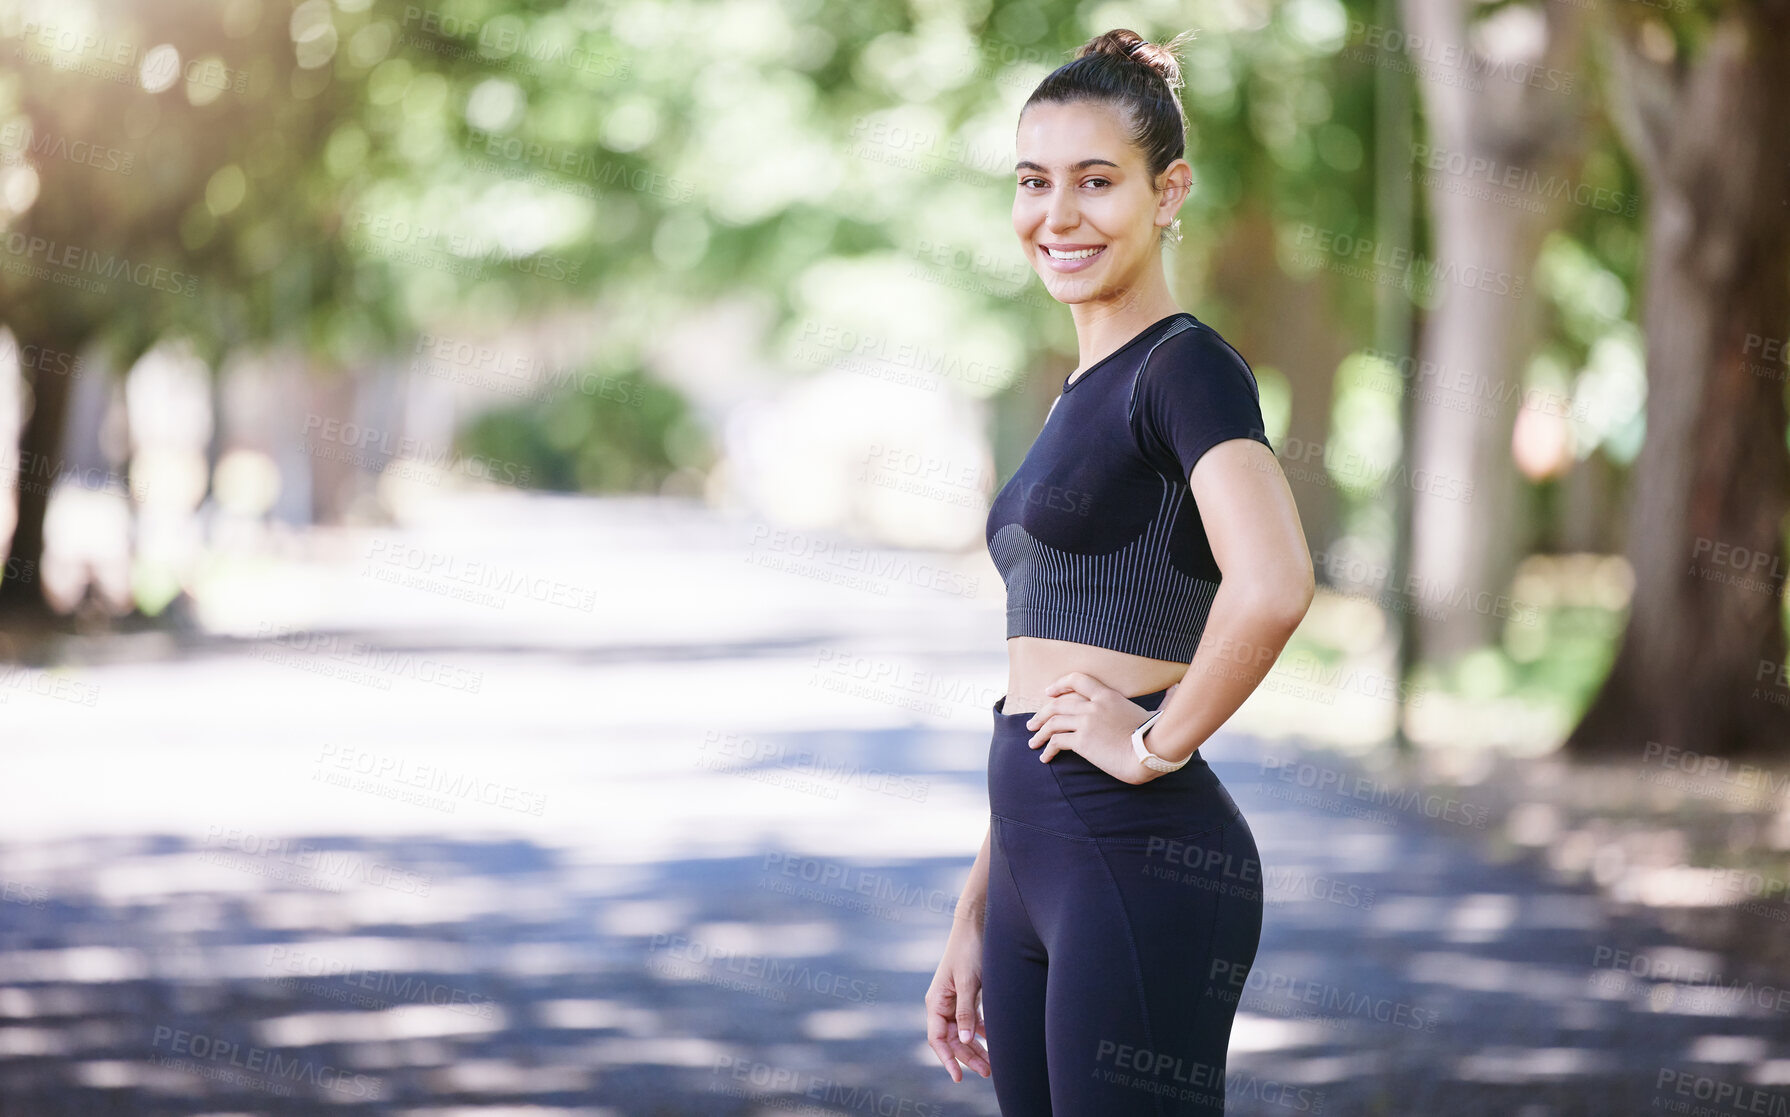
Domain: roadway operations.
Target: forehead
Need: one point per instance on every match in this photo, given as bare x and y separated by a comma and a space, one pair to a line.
1058, 135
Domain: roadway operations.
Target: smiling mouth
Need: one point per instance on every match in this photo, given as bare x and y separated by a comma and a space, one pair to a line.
1072, 254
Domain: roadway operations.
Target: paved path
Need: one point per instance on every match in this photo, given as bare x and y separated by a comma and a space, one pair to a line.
653, 864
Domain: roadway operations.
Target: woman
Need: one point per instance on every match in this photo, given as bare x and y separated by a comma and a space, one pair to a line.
1115, 909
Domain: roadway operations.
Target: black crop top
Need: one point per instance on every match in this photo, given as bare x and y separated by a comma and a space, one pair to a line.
1096, 535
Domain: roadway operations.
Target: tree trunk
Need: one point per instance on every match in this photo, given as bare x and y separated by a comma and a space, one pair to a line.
1288, 324
334, 464
47, 364
1701, 663
1588, 515
1466, 535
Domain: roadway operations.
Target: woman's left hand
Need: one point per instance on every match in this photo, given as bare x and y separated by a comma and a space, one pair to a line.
1083, 715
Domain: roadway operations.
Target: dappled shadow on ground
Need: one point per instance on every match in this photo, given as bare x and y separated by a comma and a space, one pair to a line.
1399, 973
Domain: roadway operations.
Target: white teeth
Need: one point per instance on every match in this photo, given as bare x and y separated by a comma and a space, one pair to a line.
1078, 254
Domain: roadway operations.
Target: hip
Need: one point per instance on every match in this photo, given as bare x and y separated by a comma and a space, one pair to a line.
1074, 798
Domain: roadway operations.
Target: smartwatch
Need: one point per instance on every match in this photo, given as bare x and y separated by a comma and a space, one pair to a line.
1151, 760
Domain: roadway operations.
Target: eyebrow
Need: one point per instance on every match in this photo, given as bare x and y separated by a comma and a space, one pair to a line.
1028, 165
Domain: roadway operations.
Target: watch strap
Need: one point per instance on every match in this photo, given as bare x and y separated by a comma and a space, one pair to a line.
1149, 759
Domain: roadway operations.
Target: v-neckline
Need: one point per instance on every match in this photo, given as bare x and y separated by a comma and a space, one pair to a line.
1072, 379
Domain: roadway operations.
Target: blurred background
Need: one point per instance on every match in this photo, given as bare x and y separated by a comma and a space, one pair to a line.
495, 617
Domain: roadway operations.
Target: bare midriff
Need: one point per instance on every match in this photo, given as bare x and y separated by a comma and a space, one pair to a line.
1034, 662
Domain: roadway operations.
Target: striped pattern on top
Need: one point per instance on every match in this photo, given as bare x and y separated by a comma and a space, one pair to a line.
1131, 600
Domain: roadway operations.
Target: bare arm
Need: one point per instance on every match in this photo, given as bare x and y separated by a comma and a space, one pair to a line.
953, 1016
972, 903
1267, 585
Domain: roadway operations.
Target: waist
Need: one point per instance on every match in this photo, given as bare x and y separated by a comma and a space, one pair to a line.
1073, 797
1035, 662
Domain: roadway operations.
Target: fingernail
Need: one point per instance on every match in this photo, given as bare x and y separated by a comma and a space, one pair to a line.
963, 1034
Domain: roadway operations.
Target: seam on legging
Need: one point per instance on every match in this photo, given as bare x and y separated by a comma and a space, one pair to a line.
1137, 965
1217, 910
1130, 843
1042, 829
1007, 864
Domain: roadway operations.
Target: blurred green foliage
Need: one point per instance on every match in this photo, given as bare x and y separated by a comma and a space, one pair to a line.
627, 438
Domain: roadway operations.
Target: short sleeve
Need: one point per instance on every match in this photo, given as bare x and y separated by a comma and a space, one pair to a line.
1193, 392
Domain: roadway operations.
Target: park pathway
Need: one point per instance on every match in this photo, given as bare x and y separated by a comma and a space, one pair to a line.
695, 852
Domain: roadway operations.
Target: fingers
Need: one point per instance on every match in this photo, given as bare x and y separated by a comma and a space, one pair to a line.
1057, 735
939, 1010
975, 1057
1069, 702
1059, 742
945, 1026
1047, 723
966, 1024
969, 1025
1077, 682
945, 1057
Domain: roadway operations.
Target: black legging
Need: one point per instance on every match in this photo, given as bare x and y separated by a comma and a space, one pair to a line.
1122, 922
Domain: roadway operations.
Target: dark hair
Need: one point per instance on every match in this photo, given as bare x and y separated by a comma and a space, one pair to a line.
1125, 69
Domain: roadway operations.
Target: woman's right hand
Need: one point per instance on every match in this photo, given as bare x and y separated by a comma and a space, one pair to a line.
951, 1003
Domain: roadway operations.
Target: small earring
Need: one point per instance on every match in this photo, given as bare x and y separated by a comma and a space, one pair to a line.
1175, 230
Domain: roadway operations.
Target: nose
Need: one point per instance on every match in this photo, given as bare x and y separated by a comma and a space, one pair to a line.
1061, 215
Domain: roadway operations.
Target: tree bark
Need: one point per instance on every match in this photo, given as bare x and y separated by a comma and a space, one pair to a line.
1701, 662
47, 360
1589, 512
1466, 536
1288, 324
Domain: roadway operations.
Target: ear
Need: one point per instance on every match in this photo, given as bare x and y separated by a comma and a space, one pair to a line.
1177, 184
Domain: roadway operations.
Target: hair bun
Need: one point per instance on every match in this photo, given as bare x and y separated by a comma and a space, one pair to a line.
1124, 71
1126, 44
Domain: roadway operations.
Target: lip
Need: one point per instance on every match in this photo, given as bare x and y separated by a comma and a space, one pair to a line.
1065, 266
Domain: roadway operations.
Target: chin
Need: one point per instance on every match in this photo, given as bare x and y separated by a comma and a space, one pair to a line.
1077, 290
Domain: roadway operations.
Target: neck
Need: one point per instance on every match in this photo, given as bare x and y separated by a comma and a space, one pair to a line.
1101, 328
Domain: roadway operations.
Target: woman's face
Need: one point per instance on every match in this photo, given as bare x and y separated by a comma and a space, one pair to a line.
1081, 185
